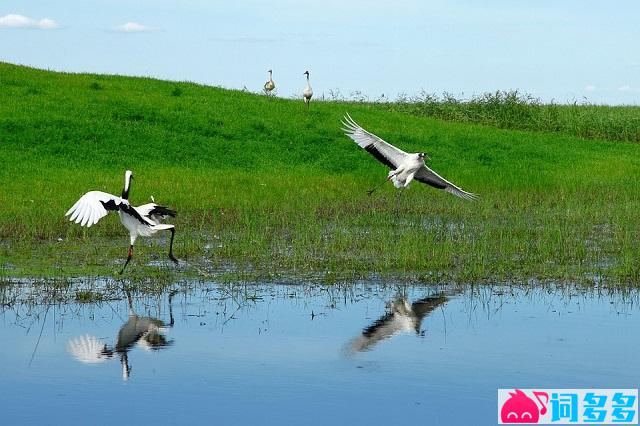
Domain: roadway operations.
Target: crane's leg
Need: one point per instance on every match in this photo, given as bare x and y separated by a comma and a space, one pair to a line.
171, 256
129, 256
129, 300
171, 294
124, 362
370, 191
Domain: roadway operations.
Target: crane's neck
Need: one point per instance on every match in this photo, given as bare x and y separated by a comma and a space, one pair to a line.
270, 79
127, 185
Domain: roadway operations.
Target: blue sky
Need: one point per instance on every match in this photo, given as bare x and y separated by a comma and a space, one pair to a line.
562, 50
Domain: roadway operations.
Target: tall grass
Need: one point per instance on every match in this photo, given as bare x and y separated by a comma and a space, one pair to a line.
516, 110
513, 109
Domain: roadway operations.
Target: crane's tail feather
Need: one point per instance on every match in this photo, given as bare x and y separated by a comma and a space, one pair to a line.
161, 227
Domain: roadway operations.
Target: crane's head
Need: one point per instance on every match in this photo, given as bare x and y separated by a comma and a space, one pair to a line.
306, 73
270, 71
423, 156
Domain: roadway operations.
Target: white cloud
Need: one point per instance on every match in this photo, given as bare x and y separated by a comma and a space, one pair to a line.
20, 21
47, 24
624, 88
589, 88
15, 21
133, 27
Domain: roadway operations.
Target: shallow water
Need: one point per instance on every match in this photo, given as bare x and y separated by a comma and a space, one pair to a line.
307, 354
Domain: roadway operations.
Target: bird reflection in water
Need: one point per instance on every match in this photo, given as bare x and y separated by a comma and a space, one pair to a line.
147, 332
401, 317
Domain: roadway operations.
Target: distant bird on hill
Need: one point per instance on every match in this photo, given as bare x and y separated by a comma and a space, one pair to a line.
404, 167
307, 93
269, 85
144, 220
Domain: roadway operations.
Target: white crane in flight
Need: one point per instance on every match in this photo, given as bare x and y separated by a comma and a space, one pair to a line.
405, 167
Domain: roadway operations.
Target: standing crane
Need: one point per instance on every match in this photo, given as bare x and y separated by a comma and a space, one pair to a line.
144, 220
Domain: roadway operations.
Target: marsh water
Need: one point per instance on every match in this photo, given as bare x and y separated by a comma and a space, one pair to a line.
365, 353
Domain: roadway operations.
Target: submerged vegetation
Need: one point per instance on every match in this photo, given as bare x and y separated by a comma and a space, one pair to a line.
264, 188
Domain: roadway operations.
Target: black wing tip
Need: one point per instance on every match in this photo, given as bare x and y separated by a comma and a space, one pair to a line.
162, 211
109, 205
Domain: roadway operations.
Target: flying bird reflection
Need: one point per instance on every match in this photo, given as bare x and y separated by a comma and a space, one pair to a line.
402, 317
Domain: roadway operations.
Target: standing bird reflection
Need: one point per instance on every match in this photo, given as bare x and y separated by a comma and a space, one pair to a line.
147, 332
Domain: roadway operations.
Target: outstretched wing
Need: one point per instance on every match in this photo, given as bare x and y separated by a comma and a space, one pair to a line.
92, 206
383, 151
424, 307
383, 328
428, 176
88, 349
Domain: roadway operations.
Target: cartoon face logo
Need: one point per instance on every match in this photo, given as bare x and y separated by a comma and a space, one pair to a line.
519, 408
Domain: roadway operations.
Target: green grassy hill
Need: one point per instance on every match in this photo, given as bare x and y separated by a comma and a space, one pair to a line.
265, 189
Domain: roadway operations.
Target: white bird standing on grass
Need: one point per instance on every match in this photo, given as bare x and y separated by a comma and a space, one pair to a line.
307, 93
269, 85
404, 167
144, 220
